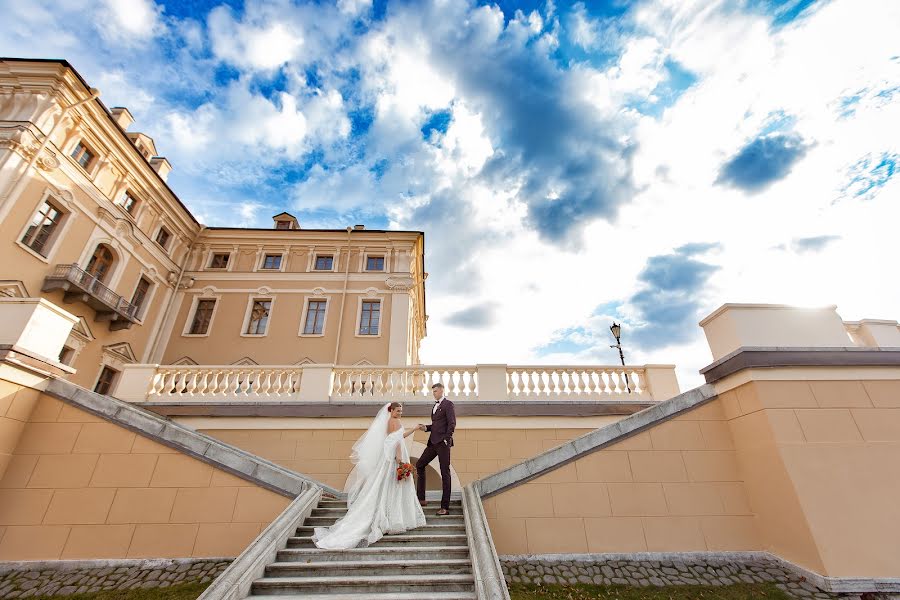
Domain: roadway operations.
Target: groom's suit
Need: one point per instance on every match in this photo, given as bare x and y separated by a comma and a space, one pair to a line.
440, 440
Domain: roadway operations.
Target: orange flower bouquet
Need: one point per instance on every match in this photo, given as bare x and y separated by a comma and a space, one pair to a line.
404, 470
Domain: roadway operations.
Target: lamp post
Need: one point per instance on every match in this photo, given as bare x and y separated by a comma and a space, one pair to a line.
616, 330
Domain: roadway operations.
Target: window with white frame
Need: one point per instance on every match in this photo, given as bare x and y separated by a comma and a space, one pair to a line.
140, 295
374, 263
84, 156
219, 260
258, 319
106, 380
202, 318
324, 262
272, 262
43, 227
163, 237
315, 317
370, 317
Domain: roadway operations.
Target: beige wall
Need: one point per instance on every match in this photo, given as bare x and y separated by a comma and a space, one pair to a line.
323, 454
822, 465
78, 487
673, 488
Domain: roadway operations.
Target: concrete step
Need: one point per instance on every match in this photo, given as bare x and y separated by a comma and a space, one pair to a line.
373, 553
370, 568
364, 584
432, 503
439, 539
385, 596
429, 529
338, 512
429, 520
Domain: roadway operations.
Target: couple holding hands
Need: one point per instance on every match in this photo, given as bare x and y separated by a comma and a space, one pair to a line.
380, 496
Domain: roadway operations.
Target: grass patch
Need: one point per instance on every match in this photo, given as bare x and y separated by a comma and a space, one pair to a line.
521, 591
183, 591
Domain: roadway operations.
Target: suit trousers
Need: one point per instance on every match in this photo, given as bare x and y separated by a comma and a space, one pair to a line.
442, 451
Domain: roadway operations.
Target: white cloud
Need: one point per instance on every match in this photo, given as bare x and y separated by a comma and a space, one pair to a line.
264, 44
129, 21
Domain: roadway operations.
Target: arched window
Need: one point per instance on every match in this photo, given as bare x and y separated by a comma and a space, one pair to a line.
101, 262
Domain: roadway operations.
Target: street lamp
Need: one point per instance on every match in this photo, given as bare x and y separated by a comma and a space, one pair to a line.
616, 330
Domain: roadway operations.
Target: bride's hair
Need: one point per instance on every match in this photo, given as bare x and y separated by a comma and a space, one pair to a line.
392, 406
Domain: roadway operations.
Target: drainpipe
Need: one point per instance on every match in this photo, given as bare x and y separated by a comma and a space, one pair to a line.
337, 345
16, 187
168, 309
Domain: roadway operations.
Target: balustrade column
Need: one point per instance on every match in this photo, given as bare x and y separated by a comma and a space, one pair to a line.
316, 383
659, 381
135, 381
492, 382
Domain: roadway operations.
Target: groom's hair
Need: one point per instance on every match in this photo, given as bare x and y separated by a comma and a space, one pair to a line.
438, 385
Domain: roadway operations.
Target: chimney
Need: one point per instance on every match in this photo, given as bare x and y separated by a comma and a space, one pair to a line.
161, 166
122, 116
359, 227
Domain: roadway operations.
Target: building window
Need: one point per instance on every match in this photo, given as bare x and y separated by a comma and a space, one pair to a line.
66, 355
219, 261
374, 263
106, 380
370, 317
44, 223
282, 224
259, 317
83, 155
272, 261
162, 238
140, 295
101, 263
315, 317
202, 317
129, 203
324, 262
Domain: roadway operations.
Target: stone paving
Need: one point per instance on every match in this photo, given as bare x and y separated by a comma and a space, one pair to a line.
19, 581
712, 572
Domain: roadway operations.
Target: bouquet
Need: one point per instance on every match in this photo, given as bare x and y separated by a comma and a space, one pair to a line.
404, 470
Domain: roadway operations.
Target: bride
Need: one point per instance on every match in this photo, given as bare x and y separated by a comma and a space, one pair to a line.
377, 503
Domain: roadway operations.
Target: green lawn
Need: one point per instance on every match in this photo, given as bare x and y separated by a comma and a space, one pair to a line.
616, 592
186, 591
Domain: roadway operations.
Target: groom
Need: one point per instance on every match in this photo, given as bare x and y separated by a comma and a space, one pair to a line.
443, 423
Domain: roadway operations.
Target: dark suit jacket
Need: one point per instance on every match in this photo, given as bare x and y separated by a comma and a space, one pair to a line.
443, 424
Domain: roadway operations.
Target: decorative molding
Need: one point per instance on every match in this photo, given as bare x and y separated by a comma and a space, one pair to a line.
13, 288
319, 291
185, 360
400, 284
246, 361
119, 354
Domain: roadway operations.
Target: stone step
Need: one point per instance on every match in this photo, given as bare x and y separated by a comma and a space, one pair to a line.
338, 512
429, 520
364, 585
439, 539
373, 553
432, 529
385, 596
370, 568
432, 503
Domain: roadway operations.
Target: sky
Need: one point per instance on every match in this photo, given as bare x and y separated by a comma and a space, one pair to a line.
571, 163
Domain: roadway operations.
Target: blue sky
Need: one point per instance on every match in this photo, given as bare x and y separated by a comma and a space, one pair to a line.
570, 162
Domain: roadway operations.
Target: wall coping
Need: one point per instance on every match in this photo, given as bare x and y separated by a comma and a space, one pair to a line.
593, 441
751, 357
464, 408
823, 582
205, 448
235, 582
489, 581
763, 306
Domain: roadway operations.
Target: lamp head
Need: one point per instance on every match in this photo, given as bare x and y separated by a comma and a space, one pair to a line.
616, 329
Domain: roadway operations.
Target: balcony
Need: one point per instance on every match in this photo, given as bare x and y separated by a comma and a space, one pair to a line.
81, 286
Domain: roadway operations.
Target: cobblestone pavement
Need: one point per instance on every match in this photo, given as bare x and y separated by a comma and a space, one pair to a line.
148, 574
666, 572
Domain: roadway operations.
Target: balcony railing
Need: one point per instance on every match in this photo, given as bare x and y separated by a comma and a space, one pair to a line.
376, 384
81, 286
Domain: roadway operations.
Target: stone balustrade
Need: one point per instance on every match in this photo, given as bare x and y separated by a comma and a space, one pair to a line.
376, 384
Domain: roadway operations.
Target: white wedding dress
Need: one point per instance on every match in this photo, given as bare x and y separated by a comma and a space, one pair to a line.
377, 503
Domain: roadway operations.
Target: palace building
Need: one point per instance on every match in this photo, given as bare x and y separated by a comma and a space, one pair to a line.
179, 403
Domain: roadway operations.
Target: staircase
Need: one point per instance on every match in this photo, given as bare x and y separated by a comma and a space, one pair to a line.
429, 563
